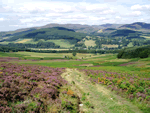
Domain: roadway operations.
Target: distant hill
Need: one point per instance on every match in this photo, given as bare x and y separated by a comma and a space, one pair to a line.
54, 33
124, 32
104, 26
130, 31
76, 27
136, 25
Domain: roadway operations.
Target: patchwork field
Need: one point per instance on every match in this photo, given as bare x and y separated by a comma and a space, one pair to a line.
49, 49
146, 36
89, 43
24, 41
62, 43
109, 46
130, 44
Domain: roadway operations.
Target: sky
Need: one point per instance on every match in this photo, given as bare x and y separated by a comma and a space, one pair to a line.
16, 14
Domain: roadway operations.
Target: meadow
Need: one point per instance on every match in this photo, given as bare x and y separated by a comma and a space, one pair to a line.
109, 46
89, 43
127, 78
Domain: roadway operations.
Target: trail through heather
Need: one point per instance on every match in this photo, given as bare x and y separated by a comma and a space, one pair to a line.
96, 98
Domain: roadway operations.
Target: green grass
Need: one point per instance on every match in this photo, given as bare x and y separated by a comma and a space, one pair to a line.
62, 43
4, 42
107, 62
27, 55
2, 54
130, 44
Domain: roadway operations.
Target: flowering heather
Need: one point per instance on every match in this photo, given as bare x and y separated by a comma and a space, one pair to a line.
29, 88
133, 86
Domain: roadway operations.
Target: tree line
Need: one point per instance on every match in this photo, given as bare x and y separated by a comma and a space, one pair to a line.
141, 52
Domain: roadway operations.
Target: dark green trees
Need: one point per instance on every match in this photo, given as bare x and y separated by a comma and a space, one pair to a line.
74, 53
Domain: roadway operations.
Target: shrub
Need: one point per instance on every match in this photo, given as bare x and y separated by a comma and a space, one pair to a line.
123, 86
74, 53
120, 54
144, 54
141, 89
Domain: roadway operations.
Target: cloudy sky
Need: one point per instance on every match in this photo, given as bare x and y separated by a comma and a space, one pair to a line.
15, 14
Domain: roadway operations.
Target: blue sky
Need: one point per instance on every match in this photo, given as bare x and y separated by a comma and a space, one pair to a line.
15, 14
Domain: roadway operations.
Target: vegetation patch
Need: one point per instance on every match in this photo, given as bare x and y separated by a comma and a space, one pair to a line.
110, 46
34, 89
90, 43
24, 40
134, 87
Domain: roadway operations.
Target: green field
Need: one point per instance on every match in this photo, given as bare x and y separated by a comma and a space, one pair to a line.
62, 43
89, 43
106, 61
130, 44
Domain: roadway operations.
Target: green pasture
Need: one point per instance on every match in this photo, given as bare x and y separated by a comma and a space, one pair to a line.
62, 43
106, 62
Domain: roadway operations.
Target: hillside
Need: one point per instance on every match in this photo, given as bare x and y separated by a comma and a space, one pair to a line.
72, 36
136, 25
124, 32
50, 33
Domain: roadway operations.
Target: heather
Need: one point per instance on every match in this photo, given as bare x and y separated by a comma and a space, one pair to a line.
35, 89
131, 86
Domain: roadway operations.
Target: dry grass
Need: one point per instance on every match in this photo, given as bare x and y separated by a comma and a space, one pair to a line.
146, 36
109, 46
101, 98
5, 37
119, 60
24, 40
90, 43
49, 49
100, 31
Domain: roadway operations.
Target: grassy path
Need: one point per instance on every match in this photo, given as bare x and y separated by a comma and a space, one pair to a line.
95, 97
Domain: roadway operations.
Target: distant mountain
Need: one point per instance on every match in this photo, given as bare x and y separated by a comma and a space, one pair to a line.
136, 25
54, 33
75, 27
69, 26
123, 32
104, 26
97, 30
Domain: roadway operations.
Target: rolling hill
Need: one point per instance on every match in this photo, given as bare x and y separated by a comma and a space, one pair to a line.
137, 25
68, 35
46, 34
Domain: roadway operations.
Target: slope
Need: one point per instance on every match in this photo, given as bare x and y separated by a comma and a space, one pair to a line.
55, 33
96, 98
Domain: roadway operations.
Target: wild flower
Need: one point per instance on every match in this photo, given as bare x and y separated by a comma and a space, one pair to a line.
70, 92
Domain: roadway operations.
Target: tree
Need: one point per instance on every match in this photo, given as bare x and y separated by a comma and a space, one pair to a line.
74, 53
144, 54
120, 54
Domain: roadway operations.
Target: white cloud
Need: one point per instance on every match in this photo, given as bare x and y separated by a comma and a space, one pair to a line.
140, 7
39, 12
2, 19
132, 14
35, 19
118, 17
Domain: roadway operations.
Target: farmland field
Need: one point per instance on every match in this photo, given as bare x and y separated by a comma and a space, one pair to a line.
146, 36
48, 49
109, 46
24, 40
62, 43
116, 85
89, 43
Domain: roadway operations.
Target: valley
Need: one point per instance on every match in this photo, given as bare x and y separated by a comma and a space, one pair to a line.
61, 68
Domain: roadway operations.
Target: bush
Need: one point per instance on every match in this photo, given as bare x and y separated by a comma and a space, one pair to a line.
120, 54
74, 53
144, 54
